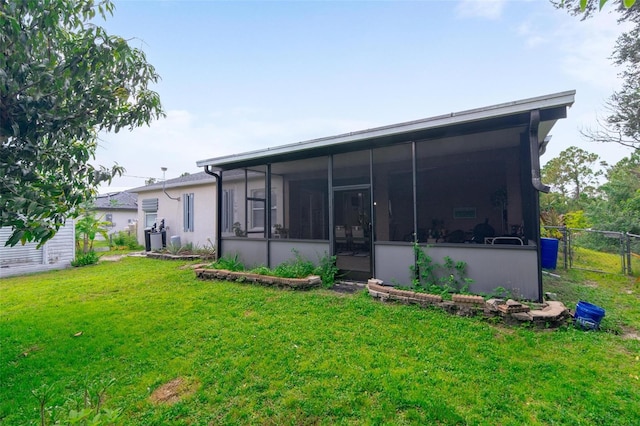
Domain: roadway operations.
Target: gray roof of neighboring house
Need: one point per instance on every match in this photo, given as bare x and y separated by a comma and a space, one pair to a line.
200, 178
117, 201
508, 114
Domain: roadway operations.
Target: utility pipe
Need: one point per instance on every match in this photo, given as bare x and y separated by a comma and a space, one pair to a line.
218, 178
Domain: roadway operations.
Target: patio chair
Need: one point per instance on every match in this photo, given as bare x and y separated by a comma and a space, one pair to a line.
357, 237
341, 236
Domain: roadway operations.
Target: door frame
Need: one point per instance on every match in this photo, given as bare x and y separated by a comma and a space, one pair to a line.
368, 188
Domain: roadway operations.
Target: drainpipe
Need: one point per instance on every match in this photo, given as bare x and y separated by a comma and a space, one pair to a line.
534, 147
218, 210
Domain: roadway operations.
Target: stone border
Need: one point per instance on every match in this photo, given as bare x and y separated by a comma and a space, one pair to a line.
312, 281
169, 256
550, 314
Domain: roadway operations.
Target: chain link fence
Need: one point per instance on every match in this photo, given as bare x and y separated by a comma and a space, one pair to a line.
597, 251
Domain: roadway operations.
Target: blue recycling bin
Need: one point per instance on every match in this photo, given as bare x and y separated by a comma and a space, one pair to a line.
588, 315
549, 252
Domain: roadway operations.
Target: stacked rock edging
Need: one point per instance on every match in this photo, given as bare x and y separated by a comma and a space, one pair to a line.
169, 256
547, 315
312, 281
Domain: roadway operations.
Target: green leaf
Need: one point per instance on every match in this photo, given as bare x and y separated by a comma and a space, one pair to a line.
583, 4
60, 74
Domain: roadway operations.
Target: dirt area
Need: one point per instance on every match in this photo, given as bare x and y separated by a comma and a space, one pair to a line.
196, 266
112, 258
173, 391
629, 333
347, 287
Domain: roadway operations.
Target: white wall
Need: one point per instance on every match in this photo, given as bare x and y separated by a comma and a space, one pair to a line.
172, 212
57, 253
120, 219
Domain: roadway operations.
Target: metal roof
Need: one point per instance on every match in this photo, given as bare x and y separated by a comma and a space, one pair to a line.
116, 201
510, 114
199, 178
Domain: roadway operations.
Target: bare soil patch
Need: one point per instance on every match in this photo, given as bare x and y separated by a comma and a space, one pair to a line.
173, 391
112, 258
629, 333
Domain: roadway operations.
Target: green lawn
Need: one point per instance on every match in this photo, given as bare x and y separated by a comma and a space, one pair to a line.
253, 355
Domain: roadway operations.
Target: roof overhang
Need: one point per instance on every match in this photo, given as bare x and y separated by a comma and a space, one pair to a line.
507, 115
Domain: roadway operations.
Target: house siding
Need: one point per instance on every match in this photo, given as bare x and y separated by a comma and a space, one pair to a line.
172, 211
57, 253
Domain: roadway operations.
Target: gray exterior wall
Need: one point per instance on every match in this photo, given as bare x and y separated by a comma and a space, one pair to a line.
511, 267
251, 252
57, 253
281, 250
392, 263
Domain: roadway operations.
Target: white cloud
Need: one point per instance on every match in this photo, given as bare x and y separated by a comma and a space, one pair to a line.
532, 38
588, 50
182, 138
584, 47
486, 9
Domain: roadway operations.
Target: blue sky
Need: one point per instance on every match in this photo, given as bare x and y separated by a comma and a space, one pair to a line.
238, 76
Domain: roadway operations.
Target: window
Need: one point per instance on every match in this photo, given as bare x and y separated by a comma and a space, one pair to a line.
188, 212
150, 209
257, 208
150, 219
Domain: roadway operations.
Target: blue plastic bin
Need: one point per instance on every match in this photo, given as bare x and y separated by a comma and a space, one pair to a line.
588, 316
549, 253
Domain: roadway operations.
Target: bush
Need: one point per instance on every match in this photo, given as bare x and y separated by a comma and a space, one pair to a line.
299, 267
123, 239
327, 270
85, 259
228, 263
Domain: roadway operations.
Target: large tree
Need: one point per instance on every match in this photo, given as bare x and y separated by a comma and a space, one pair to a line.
622, 124
573, 174
63, 79
619, 209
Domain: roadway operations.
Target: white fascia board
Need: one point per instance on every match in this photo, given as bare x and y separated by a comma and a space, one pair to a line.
510, 108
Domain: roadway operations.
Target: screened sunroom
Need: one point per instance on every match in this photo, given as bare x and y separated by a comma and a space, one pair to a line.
463, 185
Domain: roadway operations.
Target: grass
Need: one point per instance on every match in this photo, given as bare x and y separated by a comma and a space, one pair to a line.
618, 294
249, 354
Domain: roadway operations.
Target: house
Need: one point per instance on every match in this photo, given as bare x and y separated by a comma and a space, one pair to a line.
186, 204
120, 209
464, 185
57, 253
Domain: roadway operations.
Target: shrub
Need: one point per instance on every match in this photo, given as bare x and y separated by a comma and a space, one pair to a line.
85, 259
123, 239
327, 269
299, 267
228, 263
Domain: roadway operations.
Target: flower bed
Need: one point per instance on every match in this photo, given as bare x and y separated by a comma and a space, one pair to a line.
312, 281
185, 256
549, 314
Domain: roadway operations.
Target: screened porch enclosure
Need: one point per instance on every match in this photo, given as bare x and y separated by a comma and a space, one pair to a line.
369, 206
463, 185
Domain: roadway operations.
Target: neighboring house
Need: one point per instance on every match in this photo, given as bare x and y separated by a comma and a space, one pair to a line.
120, 209
57, 253
467, 184
187, 205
